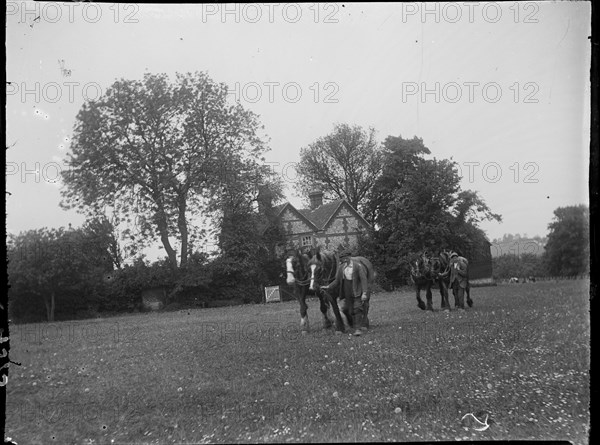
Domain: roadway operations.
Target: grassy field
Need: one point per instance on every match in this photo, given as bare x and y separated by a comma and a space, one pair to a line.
520, 357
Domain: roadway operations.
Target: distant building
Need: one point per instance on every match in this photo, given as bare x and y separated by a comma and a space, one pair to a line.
518, 247
329, 225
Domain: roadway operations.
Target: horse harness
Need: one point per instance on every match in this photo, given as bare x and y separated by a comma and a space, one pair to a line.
430, 272
331, 272
296, 279
438, 260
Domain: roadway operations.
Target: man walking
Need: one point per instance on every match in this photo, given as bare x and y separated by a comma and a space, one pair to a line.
459, 280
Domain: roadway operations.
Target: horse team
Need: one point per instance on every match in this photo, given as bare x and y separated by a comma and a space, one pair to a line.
447, 270
331, 277
349, 279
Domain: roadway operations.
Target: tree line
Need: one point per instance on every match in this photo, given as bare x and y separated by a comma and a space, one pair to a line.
151, 158
567, 249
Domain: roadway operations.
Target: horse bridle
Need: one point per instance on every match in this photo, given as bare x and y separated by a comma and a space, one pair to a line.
415, 271
296, 279
424, 259
331, 273
446, 270
429, 273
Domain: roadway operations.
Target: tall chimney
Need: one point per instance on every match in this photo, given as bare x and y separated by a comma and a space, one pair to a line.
316, 199
264, 199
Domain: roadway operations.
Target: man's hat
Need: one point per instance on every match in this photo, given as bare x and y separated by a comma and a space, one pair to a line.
453, 254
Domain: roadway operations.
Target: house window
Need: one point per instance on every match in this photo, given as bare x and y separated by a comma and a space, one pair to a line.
306, 241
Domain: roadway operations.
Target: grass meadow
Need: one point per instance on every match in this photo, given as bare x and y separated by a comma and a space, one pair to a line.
518, 361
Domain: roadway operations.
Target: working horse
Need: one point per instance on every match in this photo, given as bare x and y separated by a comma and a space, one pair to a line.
354, 279
427, 270
323, 268
298, 275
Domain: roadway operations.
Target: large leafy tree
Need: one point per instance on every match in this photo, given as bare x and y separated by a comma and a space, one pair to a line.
411, 198
345, 164
568, 247
400, 158
417, 203
158, 152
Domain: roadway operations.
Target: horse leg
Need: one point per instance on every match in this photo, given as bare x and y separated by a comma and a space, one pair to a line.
339, 323
301, 296
468, 289
324, 310
442, 299
444, 293
419, 301
344, 311
429, 298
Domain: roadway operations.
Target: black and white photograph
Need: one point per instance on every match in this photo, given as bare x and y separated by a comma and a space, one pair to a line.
297, 222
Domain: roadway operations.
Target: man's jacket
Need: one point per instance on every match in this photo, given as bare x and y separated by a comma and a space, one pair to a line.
362, 276
459, 270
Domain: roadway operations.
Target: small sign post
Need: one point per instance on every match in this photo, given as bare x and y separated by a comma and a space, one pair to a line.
272, 294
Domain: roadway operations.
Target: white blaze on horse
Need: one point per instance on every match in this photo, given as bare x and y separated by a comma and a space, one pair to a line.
307, 273
289, 271
299, 275
313, 268
323, 269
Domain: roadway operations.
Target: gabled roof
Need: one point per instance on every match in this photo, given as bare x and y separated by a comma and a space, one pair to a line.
322, 215
350, 208
281, 208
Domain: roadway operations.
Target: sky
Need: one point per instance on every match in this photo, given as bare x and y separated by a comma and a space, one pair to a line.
501, 88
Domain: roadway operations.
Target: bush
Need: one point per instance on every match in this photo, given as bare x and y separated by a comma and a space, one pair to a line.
123, 291
193, 286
